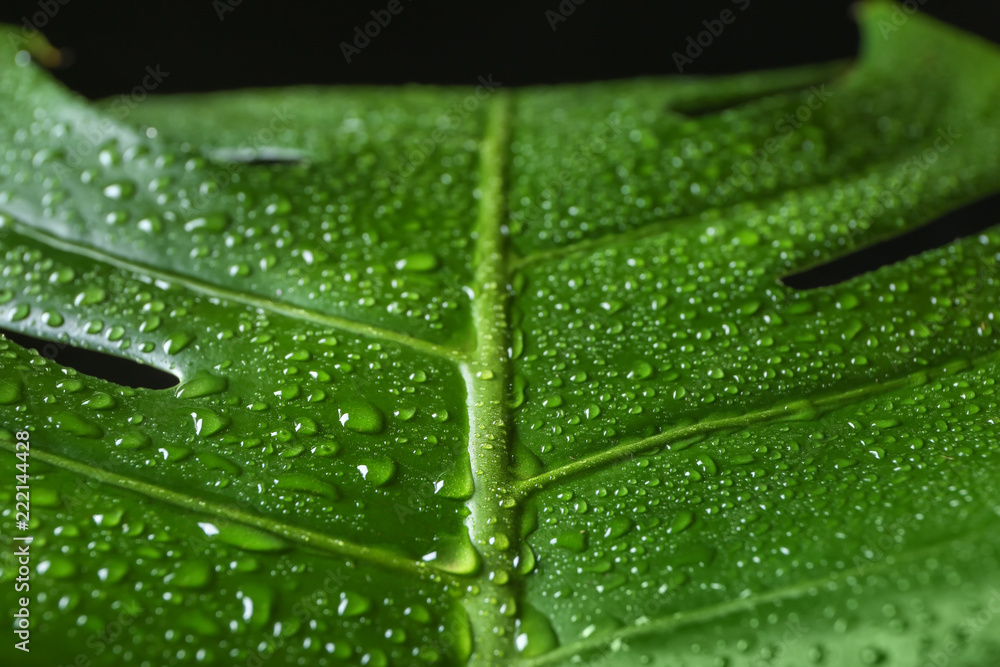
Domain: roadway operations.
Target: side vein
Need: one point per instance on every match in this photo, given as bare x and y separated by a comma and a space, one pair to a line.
659, 228
668, 624
296, 534
222, 293
788, 411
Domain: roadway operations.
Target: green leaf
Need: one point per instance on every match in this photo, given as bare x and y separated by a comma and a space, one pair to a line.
507, 377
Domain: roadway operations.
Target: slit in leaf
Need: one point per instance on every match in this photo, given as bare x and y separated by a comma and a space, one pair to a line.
258, 156
700, 108
96, 364
959, 223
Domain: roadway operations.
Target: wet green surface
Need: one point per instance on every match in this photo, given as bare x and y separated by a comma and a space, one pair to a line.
509, 379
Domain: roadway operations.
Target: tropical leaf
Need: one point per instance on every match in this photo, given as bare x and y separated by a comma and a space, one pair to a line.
506, 377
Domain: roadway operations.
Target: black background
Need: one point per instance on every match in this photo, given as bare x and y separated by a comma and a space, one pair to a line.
108, 43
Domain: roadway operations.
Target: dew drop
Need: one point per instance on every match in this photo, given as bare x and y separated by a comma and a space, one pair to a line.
378, 471
75, 424
190, 574
133, 440
361, 416
10, 391
307, 484
534, 634
681, 522
207, 422
353, 604
455, 555
418, 262
215, 222
640, 370
202, 384
245, 537
177, 342
90, 296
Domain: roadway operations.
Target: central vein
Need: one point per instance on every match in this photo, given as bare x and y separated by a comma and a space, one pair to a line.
493, 519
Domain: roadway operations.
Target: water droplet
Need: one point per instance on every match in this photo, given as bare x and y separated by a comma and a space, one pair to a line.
75, 424
361, 416
618, 527
150, 225
100, 401
307, 484
244, 537
133, 440
120, 190
52, 318
190, 574
418, 262
202, 384
377, 471
90, 296
19, 312
353, 604
177, 342
10, 391
457, 483
571, 540
258, 601
534, 633
215, 222
455, 555
681, 522
215, 462
640, 370
517, 391
57, 567
207, 422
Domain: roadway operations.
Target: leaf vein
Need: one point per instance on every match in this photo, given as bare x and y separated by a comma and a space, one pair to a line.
303, 536
791, 410
254, 301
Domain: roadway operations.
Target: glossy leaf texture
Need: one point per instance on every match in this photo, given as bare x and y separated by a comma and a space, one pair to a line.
509, 377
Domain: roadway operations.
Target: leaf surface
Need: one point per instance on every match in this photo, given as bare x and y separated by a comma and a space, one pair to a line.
509, 377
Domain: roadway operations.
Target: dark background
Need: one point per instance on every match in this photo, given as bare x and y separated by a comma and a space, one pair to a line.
216, 44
